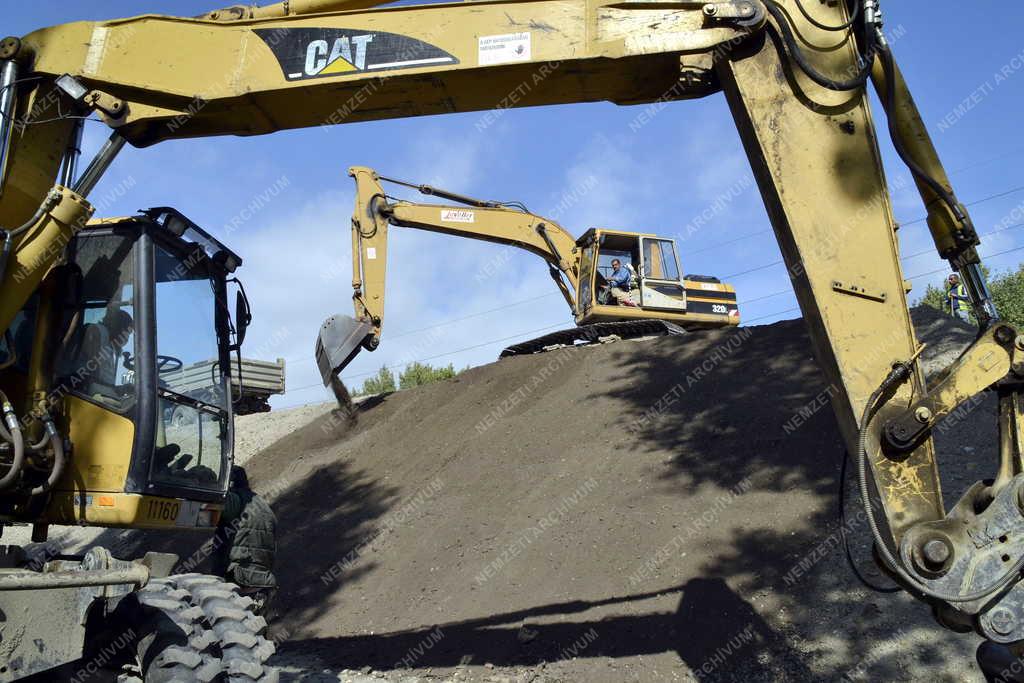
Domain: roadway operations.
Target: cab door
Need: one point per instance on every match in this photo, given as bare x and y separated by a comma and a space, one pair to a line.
585, 291
661, 284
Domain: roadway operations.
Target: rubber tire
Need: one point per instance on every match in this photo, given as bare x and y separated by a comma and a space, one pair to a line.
180, 418
174, 643
239, 632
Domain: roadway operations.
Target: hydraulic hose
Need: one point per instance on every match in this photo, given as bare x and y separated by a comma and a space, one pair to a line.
889, 66
900, 373
59, 460
800, 58
12, 434
52, 198
854, 15
42, 443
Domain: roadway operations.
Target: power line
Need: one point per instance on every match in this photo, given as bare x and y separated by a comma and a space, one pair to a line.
984, 234
983, 200
435, 356
727, 277
444, 323
541, 329
912, 277
762, 317
775, 263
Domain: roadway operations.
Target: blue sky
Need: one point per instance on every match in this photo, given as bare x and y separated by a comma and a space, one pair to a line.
655, 179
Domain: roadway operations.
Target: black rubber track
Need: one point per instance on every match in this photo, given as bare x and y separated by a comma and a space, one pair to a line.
627, 329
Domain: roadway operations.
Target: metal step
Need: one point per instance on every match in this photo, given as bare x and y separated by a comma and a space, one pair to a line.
588, 334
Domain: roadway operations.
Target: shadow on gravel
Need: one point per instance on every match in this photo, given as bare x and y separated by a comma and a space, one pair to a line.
753, 414
326, 515
324, 522
712, 629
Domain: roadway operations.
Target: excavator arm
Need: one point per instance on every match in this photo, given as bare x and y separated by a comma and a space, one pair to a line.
796, 86
488, 221
342, 337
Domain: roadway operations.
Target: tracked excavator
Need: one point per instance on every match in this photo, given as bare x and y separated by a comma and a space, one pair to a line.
795, 76
658, 300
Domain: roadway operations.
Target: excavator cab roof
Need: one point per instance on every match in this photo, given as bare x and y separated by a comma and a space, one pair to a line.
597, 233
180, 227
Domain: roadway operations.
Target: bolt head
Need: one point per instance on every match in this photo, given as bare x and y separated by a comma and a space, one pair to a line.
1002, 621
935, 552
923, 415
710, 10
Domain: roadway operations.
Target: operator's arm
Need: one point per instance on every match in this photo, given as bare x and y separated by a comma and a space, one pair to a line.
620, 278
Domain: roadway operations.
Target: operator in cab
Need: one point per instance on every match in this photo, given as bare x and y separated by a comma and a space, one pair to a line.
622, 282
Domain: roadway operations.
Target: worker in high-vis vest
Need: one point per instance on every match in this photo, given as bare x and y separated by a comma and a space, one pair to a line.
957, 301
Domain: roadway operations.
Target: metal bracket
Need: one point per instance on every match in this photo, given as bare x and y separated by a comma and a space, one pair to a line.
969, 550
856, 290
746, 13
983, 364
112, 106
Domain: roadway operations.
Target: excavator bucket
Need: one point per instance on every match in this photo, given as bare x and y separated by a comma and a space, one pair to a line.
340, 339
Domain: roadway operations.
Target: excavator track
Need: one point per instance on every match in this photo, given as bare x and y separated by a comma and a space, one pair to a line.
589, 334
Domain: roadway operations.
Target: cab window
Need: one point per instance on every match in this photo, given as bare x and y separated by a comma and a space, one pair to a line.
193, 407
660, 260
96, 360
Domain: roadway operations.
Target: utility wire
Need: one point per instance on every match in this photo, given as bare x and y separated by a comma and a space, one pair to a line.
912, 277
979, 201
541, 329
902, 224
435, 356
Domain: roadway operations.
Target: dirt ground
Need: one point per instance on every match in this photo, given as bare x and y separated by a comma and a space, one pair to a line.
638, 511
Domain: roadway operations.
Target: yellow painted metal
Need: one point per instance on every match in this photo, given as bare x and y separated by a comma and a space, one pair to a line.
37, 249
942, 223
373, 214
130, 510
102, 445
599, 313
816, 160
190, 77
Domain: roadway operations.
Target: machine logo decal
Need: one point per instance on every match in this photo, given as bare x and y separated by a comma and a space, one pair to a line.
457, 216
305, 53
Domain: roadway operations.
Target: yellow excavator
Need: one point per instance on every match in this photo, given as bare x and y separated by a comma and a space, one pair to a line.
651, 295
795, 75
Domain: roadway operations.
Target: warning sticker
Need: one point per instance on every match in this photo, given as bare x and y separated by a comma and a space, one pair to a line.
508, 47
457, 216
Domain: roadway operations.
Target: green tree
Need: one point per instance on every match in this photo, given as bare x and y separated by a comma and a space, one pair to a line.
1008, 293
381, 383
417, 374
934, 297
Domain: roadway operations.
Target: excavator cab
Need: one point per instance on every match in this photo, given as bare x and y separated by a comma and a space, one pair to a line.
140, 300
660, 289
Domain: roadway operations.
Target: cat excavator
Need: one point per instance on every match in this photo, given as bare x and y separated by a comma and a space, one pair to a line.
657, 299
795, 75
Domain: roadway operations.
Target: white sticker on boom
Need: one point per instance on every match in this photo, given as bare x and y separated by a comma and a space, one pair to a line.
508, 47
371, 253
457, 216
